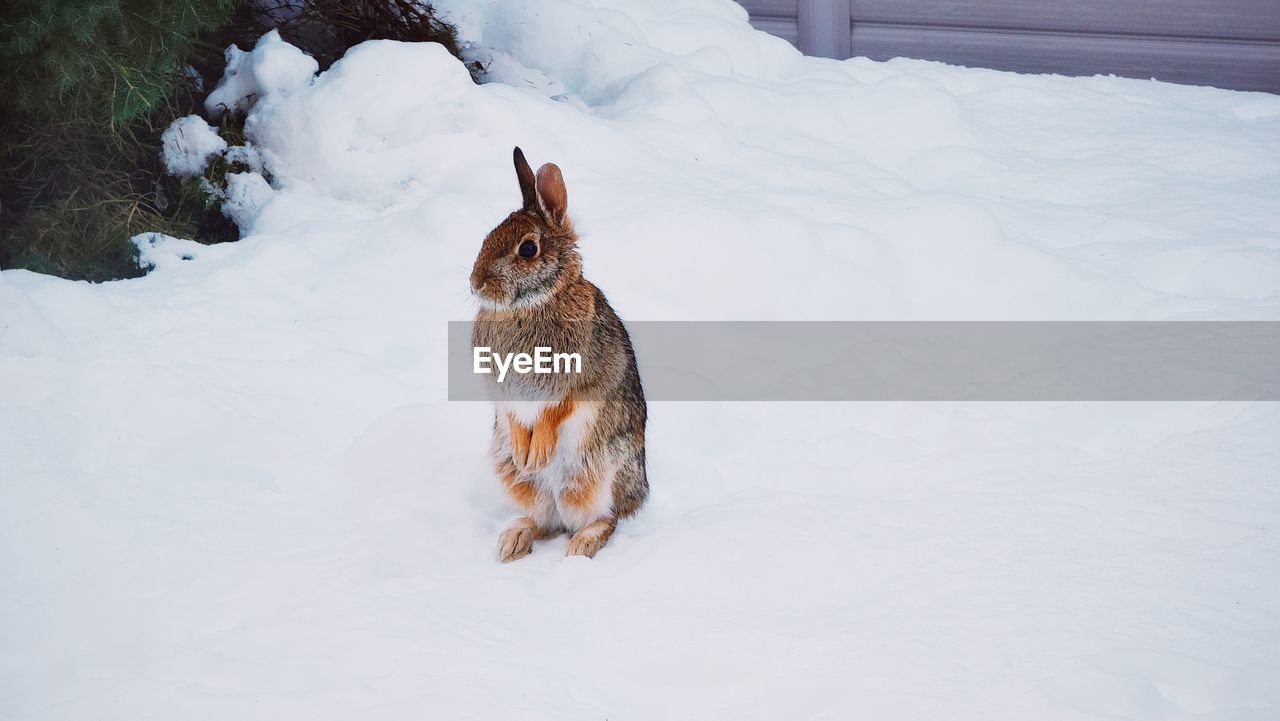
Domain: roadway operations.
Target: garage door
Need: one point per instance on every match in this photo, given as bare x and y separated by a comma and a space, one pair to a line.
1226, 43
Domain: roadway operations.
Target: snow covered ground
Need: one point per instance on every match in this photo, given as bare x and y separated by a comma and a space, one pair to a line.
233, 489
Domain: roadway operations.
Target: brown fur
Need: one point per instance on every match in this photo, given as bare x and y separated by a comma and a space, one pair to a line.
544, 300
591, 538
517, 540
520, 491
582, 494
520, 437
543, 441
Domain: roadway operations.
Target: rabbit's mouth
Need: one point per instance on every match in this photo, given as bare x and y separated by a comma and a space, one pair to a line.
489, 290
494, 298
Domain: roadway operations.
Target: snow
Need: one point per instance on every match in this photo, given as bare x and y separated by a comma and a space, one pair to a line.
157, 250
273, 66
246, 155
233, 488
188, 144
244, 198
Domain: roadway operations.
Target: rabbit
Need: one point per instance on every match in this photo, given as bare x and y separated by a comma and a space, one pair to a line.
568, 447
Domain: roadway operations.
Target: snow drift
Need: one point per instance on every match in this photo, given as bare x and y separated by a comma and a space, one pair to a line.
232, 488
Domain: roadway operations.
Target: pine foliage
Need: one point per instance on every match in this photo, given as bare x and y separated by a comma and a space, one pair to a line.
103, 61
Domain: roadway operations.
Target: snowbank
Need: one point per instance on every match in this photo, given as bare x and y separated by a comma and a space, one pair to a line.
188, 144
245, 197
273, 66
232, 488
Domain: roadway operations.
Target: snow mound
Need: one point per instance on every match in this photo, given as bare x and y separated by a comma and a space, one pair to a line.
158, 251
245, 196
362, 133
499, 67
273, 66
188, 144
246, 155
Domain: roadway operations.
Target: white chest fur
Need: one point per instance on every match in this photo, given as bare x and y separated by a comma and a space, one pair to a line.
525, 412
567, 463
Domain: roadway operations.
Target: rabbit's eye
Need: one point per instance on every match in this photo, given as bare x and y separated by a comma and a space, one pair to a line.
528, 249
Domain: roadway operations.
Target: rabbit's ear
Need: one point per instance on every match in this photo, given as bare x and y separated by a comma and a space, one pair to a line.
552, 197
525, 175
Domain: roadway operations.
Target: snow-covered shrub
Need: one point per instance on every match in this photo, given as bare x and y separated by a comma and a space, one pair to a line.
89, 85
218, 171
188, 144
218, 167
86, 87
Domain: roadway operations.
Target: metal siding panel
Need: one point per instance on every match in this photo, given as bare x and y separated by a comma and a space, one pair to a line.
1166, 39
772, 8
1242, 66
824, 28
1223, 19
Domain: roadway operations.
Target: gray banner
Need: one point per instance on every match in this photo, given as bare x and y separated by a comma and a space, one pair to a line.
920, 361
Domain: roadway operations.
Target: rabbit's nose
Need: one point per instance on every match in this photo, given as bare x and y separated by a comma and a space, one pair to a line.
478, 281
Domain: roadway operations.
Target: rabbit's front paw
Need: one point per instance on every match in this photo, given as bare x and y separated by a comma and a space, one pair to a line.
520, 438
542, 445
517, 541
